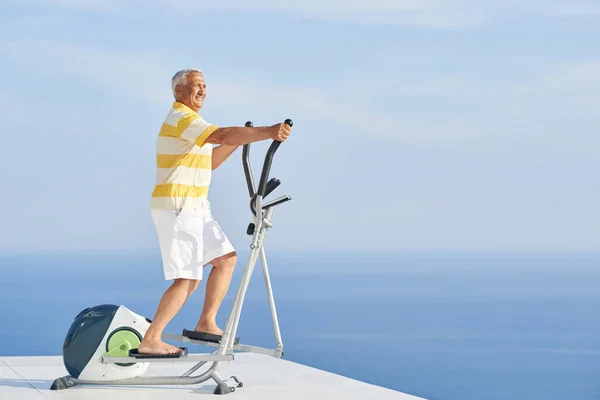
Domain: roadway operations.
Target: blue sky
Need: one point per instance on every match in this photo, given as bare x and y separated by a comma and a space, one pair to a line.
454, 125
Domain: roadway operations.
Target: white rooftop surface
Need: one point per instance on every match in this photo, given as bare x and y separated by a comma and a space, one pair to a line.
263, 377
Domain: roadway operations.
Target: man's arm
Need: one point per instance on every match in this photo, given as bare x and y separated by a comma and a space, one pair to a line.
222, 153
239, 136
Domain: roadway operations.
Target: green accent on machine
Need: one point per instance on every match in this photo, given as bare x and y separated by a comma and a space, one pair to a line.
120, 342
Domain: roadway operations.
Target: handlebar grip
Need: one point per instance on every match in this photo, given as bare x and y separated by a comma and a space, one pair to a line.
246, 164
262, 186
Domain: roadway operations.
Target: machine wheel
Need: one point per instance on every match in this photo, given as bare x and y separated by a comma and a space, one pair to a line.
121, 341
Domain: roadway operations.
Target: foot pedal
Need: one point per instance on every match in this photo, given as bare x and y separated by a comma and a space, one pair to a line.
205, 336
136, 354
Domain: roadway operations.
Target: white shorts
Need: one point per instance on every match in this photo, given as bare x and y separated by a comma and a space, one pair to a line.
189, 239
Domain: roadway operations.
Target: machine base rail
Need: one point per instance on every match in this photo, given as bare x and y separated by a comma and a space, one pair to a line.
68, 381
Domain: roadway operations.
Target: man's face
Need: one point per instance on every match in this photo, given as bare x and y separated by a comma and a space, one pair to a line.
194, 92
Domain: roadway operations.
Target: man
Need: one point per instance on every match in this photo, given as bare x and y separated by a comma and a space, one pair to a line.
189, 237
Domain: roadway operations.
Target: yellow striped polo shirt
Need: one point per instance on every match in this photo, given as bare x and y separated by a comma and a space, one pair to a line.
183, 159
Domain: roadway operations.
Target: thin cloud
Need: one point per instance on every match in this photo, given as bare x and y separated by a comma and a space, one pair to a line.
113, 72
97, 6
515, 107
135, 75
424, 13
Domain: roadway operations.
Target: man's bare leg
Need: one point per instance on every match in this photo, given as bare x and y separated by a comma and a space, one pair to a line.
170, 304
217, 286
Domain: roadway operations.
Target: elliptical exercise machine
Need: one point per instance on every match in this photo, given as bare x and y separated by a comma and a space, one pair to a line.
101, 345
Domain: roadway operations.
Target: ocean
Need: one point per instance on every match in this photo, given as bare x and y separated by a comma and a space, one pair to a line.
440, 326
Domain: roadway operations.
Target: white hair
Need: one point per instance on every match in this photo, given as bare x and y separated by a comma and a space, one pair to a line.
180, 78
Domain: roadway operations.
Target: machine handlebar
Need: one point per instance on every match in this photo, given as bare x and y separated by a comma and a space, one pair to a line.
264, 186
246, 162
